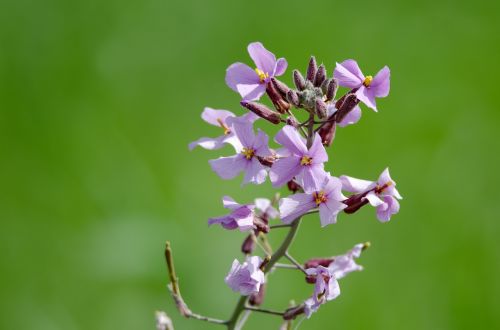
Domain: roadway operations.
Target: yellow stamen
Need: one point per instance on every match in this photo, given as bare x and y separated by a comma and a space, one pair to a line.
319, 197
224, 126
368, 81
306, 160
262, 75
248, 153
380, 189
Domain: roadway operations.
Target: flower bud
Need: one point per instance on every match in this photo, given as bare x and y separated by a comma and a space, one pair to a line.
280, 86
320, 107
320, 76
262, 111
315, 262
261, 225
293, 97
293, 186
292, 122
331, 90
324, 85
355, 202
279, 103
311, 69
349, 103
256, 299
248, 245
266, 161
327, 132
292, 312
298, 80
311, 279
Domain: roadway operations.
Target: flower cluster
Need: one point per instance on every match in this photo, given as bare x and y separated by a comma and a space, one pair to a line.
297, 160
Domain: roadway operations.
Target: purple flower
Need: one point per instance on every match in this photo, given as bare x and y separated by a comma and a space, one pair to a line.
381, 194
345, 264
351, 118
219, 118
328, 199
298, 161
265, 208
246, 278
249, 149
251, 83
368, 88
241, 216
326, 288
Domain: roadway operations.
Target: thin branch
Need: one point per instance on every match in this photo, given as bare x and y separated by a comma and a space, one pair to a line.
295, 262
285, 266
262, 310
176, 293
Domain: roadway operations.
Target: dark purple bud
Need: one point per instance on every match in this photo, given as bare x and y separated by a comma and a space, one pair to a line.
315, 262
292, 122
349, 103
292, 312
261, 225
311, 69
256, 299
327, 131
324, 86
298, 80
355, 202
262, 111
331, 90
311, 279
320, 76
320, 107
279, 103
266, 161
293, 186
248, 245
293, 97
280, 86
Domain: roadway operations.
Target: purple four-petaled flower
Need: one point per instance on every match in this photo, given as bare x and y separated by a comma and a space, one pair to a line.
345, 264
298, 161
241, 216
326, 288
249, 149
251, 83
328, 198
246, 278
381, 194
368, 88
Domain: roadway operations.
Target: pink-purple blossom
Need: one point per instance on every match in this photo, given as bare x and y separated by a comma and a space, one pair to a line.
345, 264
250, 148
219, 118
246, 278
251, 83
299, 161
241, 216
328, 199
368, 88
326, 288
381, 194
264, 209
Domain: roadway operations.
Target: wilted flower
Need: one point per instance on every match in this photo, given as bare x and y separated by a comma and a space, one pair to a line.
249, 149
298, 161
326, 288
368, 88
328, 199
251, 83
381, 194
241, 216
345, 264
219, 118
246, 278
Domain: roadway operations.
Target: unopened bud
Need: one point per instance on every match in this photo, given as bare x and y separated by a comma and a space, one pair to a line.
266, 161
327, 132
280, 86
262, 111
331, 90
311, 69
311, 279
320, 107
279, 103
248, 245
292, 122
349, 103
293, 186
324, 85
320, 76
299, 80
355, 202
292, 312
256, 299
315, 262
261, 225
293, 97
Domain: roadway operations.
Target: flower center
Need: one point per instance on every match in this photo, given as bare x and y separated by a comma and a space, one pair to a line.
319, 197
367, 81
380, 189
248, 153
306, 160
262, 75
224, 126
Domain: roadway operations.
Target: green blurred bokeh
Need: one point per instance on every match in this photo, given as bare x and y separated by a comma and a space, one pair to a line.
99, 99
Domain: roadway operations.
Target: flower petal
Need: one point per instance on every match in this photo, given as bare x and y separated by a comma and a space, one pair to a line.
317, 151
212, 116
354, 185
294, 206
312, 177
209, 143
243, 130
328, 211
261, 144
381, 83
352, 117
251, 92
290, 138
366, 96
255, 172
390, 207
283, 170
349, 74
281, 66
228, 167
263, 59
239, 73
373, 199
229, 203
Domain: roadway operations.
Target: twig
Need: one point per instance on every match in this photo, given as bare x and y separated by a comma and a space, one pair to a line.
262, 310
285, 266
293, 261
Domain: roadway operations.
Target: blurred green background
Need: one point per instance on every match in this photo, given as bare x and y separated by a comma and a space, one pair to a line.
99, 100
